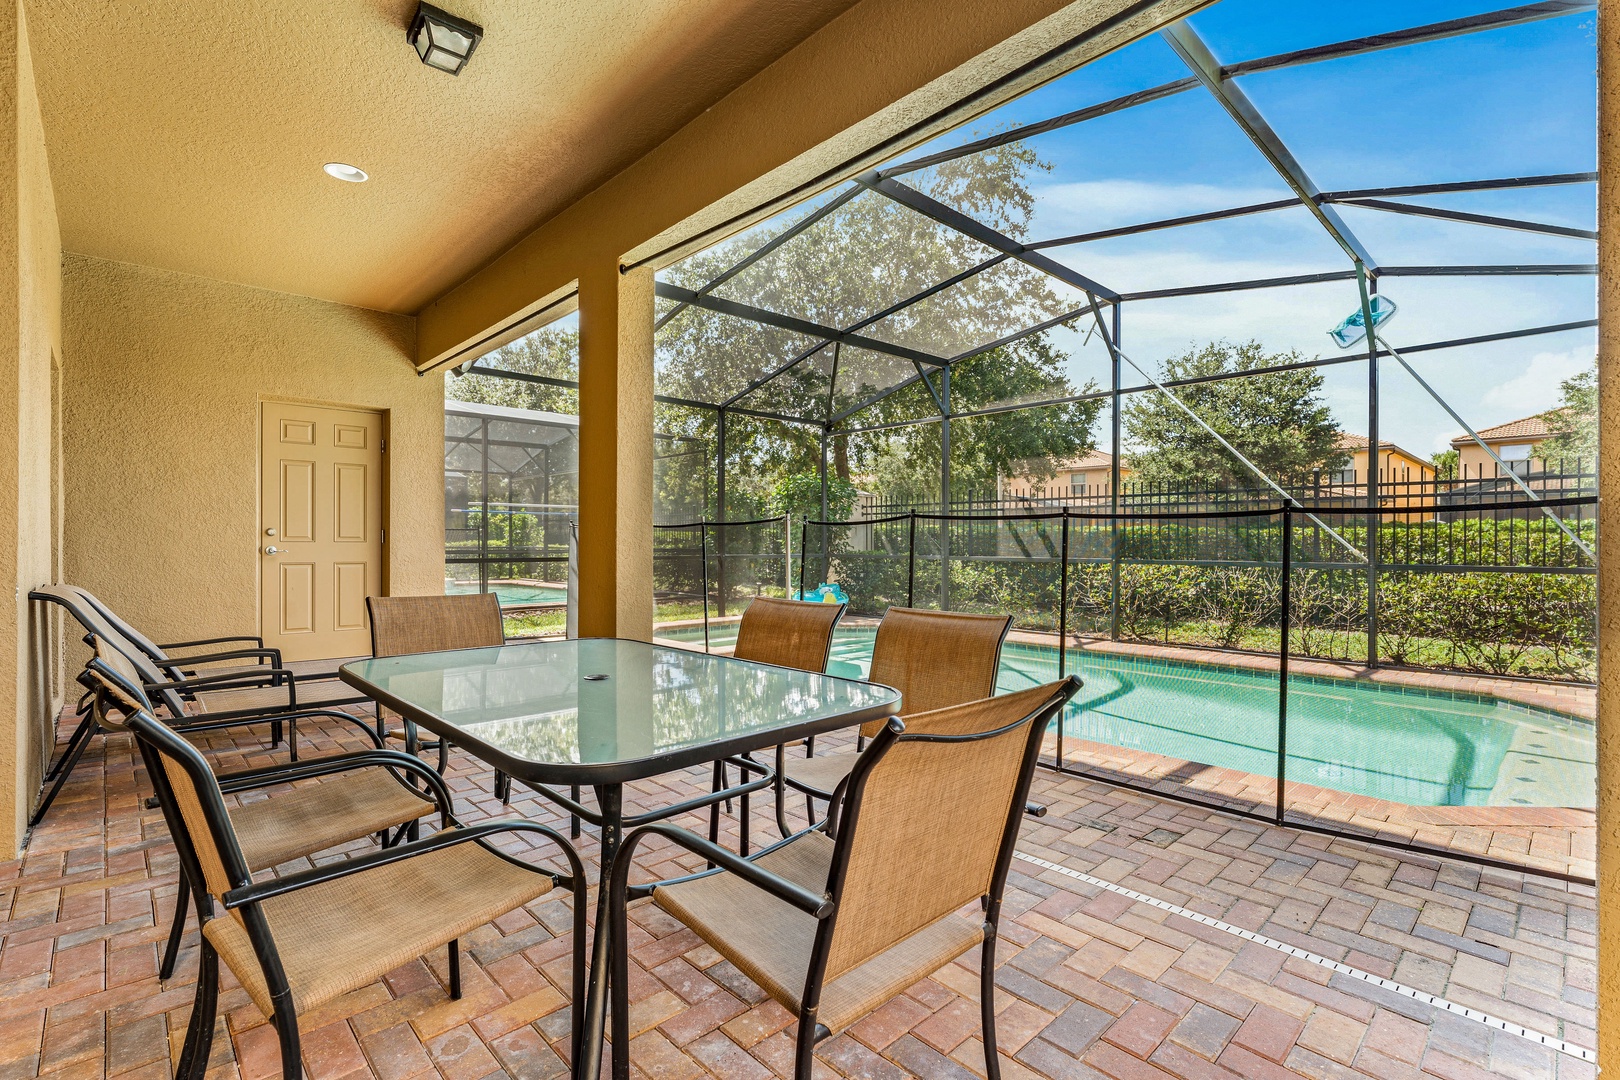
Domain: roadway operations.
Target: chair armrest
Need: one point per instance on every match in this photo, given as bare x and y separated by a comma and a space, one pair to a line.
258, 642
255, 891
780, 887
270, 775
273, 674
271, 655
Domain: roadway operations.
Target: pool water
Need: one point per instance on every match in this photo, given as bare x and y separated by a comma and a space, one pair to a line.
512, 592
1416, 747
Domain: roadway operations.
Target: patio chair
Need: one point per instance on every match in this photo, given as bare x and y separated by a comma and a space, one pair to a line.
934, 658
363, 796
299, 941
832, 924
243, 696
191, 662
787, 633
401, 625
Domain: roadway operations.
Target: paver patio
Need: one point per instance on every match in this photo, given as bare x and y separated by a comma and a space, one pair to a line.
1093, 982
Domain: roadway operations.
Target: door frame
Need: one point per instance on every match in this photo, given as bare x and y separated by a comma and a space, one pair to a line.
385, 515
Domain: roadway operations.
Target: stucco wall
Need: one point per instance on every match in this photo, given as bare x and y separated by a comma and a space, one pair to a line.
164, 376
30, 308
1608, 726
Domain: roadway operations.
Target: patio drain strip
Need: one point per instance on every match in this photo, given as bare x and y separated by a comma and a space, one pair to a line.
1390, 985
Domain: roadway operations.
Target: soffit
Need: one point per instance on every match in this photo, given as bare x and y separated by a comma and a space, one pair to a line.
191, 137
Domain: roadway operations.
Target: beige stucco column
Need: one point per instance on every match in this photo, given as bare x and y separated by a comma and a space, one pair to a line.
615, 452
1608, 731
30, 342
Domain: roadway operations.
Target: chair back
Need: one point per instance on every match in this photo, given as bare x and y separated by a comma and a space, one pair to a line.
130, 634
936, 658
788, 633
185, 785
401, 625
930, 820
114, 681
97, 625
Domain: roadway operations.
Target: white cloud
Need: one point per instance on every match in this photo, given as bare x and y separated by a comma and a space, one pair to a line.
1536, 389
1101, 204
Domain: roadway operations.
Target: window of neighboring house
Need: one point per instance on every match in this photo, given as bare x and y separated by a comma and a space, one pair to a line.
1516, 457
1340, 476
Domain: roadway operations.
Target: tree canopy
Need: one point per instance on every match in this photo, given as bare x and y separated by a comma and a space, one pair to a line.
1575, 419
847, 269
1279, 421
551, 351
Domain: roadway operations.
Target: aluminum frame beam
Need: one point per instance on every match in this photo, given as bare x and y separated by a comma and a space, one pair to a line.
1489, 20
763, 250
953, 218
1331, 361
1516, 224
799, 326
1451, 187
1186, 43
879, 316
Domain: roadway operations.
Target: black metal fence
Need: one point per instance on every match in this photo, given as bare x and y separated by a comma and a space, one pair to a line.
1283, 582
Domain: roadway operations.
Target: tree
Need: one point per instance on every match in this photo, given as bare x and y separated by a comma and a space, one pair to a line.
551, 351
1278, 421
1575, 421
1445, 464
854, 263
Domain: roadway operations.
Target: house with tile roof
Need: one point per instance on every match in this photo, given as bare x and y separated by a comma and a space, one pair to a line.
1396, 465
1515, 442
1088, 474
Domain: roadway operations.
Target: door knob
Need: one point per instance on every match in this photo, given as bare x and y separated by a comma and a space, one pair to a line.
272, 550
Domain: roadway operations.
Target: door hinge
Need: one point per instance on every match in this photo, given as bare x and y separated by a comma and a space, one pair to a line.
385, 536
382, 446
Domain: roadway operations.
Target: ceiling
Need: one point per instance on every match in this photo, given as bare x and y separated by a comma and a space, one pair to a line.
193, 140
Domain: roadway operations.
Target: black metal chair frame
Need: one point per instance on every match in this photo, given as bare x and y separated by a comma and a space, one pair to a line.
779, 788
842, 821
176, 689
97, 675
810, 793
246, 895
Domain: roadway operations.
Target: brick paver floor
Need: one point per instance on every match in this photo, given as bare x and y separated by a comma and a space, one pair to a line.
1093, 983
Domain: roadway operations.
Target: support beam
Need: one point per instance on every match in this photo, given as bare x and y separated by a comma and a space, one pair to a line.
1608, 606
953, 218
796, 325
1196, 55
615, 452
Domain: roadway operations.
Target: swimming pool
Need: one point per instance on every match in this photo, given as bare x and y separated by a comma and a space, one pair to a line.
1417, 747
512, 592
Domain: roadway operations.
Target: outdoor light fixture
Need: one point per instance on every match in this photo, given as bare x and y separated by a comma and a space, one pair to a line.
442, 40
339, 171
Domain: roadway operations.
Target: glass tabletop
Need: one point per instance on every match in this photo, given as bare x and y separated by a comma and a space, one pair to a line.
602, 710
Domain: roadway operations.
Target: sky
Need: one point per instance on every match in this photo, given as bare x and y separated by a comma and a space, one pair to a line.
1507, 102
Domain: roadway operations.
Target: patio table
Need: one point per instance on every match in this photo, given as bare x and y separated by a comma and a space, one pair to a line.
603, 712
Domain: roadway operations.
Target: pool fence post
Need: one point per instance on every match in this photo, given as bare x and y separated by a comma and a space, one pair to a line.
1063, 625
703, 557
787, 548
1282, 661
911, 561
1063, 607
804, 540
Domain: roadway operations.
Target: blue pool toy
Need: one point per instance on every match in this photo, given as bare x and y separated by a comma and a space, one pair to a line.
825, 593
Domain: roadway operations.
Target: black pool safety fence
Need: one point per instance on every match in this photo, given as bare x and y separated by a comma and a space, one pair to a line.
1429, 771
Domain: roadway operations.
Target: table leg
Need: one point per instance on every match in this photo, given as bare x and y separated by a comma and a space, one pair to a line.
588, 1062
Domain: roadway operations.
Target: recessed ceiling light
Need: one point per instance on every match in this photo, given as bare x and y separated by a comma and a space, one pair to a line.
339, 171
